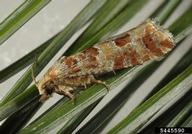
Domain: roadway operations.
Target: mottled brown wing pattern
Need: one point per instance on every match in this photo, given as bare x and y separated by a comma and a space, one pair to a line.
146, 42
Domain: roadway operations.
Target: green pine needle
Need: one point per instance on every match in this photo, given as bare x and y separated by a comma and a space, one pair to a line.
19, 17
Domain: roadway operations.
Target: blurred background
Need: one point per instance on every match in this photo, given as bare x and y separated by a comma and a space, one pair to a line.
54, 17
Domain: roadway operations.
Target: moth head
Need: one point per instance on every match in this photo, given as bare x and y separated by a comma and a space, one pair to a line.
46, 87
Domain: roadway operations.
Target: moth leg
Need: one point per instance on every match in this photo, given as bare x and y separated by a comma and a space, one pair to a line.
114, 72
61, 60
103, 83
44, 97
63, 90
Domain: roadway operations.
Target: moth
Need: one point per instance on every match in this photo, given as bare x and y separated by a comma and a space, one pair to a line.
148, 41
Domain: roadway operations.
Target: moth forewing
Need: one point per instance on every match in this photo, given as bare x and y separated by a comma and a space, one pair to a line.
145, 42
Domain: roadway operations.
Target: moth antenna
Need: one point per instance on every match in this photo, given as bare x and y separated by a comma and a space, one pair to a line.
32, 71
156, 21
33, 75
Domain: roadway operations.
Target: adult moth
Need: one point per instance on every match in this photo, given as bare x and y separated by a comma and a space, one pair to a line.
145, 42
